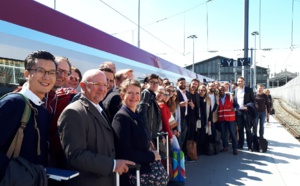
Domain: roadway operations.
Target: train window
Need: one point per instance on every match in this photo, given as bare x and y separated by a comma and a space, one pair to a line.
11, 72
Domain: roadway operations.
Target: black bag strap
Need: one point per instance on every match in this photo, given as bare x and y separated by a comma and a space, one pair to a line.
15, 146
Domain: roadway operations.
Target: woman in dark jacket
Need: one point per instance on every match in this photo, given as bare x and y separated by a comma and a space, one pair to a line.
131, 135
270, 100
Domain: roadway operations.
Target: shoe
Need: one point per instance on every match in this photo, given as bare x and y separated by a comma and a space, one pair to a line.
235, 152
240, 147
189, 160
250, 149
224, 149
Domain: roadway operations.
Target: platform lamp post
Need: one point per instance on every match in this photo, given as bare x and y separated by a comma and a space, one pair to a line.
268, 76
193, 37
254, 61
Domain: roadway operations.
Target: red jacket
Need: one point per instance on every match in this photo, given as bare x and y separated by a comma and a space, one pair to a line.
165, 116
225, 111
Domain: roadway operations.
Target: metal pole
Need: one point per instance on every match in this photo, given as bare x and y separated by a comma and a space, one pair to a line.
254, 64
193, 37
54, 4
254, 59
246, 30
193, 55
251, 73
219, 71
139, 7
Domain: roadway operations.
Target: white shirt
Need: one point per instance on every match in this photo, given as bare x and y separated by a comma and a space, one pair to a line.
31, 96
240, 97
183, 93
213, 100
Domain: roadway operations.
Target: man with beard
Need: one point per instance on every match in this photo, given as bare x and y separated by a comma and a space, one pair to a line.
213, 94
193, 112
183, 99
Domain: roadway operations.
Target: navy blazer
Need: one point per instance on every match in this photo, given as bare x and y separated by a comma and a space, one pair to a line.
131, 139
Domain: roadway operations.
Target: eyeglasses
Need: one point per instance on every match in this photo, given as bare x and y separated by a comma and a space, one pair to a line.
167, 83
167, 95
98, 84
171, 90
42, 72
154, 82
73, 78
63, 72
203, 90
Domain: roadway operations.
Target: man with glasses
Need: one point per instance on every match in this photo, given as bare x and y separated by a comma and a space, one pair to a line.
40, 72
148, 108
87, 136
56, 100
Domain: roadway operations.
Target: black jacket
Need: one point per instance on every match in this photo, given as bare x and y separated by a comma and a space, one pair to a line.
149, 112
112, 103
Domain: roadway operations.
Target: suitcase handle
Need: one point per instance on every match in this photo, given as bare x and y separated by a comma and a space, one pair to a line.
136, 166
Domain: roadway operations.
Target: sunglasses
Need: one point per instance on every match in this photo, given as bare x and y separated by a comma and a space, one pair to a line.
171, 90
203, 90
74, 78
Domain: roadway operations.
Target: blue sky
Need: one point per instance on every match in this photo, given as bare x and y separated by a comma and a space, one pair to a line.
166, 24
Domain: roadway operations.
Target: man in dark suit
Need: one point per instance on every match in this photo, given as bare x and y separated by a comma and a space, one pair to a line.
243, 95
112, 102
183, 100
87, 136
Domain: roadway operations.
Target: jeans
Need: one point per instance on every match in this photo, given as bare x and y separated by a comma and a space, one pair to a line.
261, 116
230, 126
243, 122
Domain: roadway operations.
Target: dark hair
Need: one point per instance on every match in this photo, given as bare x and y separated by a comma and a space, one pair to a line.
241, 77
106, 69
29, 62
195, 80
127, 82
151, 76
181, 79
78, 72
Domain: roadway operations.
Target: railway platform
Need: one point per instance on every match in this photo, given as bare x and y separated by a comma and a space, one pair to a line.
279, 166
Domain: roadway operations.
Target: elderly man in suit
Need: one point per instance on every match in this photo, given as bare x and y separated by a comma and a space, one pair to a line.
87, 137
244, 95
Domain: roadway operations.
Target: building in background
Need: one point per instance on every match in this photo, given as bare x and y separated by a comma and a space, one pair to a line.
212, 68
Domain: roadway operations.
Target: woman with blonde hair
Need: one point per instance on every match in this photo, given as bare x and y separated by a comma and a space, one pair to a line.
203, 128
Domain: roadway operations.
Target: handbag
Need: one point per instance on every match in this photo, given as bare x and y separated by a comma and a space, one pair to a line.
191, 149
172, 122
157, 177
272, 112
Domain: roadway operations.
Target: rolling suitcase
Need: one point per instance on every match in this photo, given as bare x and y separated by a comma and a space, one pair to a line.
138, 180
178, 166
167, 149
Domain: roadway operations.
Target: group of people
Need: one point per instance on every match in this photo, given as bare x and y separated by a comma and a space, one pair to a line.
113, 121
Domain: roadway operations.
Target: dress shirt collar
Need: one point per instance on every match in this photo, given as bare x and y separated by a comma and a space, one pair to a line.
31, 96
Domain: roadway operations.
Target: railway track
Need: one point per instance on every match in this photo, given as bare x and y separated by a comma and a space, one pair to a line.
288, 117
